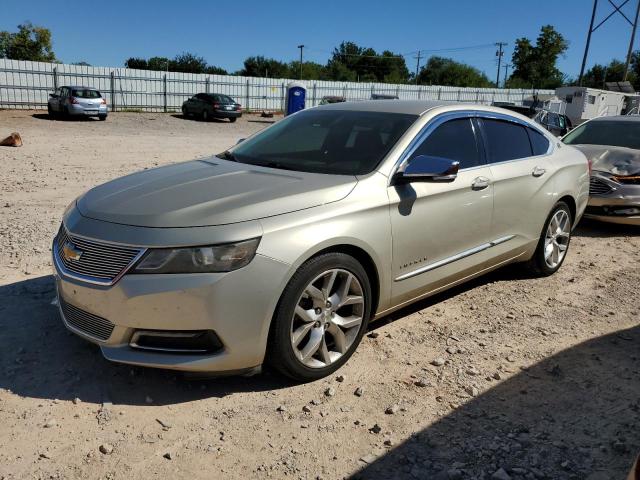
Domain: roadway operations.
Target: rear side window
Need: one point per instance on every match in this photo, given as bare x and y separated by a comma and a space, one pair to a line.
539, 142
505, 140
453, 140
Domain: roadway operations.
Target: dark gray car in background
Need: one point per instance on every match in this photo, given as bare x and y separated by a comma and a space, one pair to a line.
212, 105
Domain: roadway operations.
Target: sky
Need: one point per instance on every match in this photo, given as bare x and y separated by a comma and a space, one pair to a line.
225, 33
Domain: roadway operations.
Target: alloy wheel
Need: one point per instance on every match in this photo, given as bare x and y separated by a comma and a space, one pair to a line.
556, 239
327, 318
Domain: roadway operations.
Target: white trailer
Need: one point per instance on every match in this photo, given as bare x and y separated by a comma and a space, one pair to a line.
584, 103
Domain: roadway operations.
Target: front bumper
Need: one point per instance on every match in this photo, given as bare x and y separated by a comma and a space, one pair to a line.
619, 205
237, 306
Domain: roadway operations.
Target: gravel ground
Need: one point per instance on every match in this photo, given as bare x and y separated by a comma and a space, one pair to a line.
505, 377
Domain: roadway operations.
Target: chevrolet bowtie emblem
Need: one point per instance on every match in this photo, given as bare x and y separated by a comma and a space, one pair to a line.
70, 252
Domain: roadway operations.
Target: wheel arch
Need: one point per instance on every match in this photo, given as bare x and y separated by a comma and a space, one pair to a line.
570, 201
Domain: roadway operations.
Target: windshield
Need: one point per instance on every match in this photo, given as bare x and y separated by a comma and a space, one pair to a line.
85, 93
604, 132
223, 99
339, 142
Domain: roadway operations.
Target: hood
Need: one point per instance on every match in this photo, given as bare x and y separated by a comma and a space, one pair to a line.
614, 160
209, 192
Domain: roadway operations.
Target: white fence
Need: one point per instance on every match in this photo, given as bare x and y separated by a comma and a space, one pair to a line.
27, 85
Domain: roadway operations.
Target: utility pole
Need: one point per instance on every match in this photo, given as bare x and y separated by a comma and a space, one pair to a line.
633, 37
418, 63
499, 54
506, 73
300, 47
586, 47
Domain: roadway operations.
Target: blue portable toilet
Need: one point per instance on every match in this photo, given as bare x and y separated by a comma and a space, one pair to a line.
295, 98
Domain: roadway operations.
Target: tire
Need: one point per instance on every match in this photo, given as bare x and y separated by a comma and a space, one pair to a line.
102, 118
232, 119
350, 281
185, 114
542, 263
205, 115
52, 114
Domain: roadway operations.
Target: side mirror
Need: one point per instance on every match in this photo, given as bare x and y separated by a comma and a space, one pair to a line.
53, 95
425, 168
240, 140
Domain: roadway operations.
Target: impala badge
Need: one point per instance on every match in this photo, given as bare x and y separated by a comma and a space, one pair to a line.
70, 252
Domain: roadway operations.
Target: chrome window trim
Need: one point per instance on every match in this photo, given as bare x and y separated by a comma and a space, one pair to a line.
86, 278
453, 258
439, 119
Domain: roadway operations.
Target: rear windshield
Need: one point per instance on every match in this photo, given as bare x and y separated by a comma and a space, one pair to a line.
85, 93
603, 132
223, 99
340, 142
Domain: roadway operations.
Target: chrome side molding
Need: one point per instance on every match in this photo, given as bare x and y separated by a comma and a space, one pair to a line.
453, 258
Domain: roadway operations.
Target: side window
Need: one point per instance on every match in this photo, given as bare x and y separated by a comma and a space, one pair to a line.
453, 140
505, 140
539, 142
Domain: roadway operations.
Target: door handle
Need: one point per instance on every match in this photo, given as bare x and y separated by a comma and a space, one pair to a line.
480, 183
538, 172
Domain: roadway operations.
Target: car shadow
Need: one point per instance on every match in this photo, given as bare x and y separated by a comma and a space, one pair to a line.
595, 229
77, 118
194, 118
573, 415
42, 359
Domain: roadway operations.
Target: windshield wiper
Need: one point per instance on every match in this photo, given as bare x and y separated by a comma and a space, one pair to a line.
227, 155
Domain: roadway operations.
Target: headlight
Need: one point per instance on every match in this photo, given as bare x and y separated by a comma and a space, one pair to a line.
215, 258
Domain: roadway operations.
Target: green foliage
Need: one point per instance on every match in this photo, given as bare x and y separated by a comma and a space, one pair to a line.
597, 75
535, 66
264, 67
185, 62
350, 62
30, 42
444, 71
81, 63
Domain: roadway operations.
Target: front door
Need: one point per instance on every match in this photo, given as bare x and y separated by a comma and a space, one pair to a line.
438, 228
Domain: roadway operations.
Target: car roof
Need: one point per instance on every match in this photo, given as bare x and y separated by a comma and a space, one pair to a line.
417, 107
617, 118
78, 86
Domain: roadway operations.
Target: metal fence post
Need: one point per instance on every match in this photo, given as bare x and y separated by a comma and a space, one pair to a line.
55, 78
314, 95
112, 86
419, 93
247, 96
282, 96
439, 92
206, 85
164, 91
344, 91
398, 91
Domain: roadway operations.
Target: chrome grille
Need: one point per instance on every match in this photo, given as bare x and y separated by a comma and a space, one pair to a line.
99, 262
598, 187
88, 323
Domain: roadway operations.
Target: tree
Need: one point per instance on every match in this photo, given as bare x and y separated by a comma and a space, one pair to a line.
185, 62
158, 63
82, 63
535, 66
351, 62
30, 42
188, 63
445, 71
310, 71
213, 70
264, 67
136, 62
597, 75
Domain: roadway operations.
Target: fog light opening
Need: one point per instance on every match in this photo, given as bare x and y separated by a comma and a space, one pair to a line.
188, 342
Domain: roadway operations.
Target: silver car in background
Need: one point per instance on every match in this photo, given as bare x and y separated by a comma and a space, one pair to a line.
68, 101
283, 248
612, 145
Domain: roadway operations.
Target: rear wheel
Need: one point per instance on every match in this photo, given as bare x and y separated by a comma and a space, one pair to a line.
102, 117
554, 242
232, 119
51, 113
321, 317
185, 113
205, 115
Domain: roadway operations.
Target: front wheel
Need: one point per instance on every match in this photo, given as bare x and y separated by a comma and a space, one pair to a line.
554, 242
321, 317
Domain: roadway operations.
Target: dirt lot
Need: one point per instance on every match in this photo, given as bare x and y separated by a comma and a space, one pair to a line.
507, 377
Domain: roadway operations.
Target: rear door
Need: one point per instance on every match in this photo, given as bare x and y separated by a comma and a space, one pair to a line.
522, 170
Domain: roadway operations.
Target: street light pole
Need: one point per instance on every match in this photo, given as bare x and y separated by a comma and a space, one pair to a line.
300, 47
499, 54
